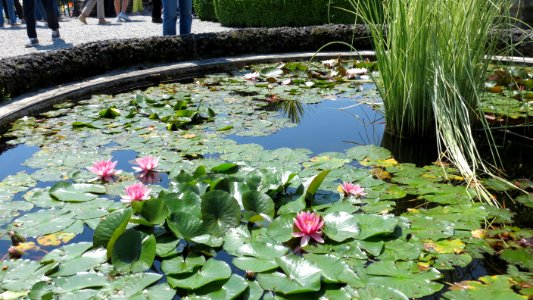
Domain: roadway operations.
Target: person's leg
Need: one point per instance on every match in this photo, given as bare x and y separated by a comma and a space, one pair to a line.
169, 16
29, 13
135, 6
51, 16
125, 4
156, 10
86, 11
89, 6
100, 10
39, 10
11, 12
2, 13
185, 16
18, 9
117, 7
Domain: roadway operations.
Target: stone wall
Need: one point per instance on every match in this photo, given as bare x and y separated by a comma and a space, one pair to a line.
28, 73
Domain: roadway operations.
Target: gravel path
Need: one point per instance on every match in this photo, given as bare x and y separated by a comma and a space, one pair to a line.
73, 32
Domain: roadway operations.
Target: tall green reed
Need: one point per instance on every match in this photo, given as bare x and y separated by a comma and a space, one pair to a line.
432, 63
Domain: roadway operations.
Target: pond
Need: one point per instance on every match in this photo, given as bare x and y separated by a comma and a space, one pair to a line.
240, 157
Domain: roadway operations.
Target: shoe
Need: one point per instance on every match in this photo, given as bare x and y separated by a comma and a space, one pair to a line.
124, 17
55, 34
102, 22
83, 19
32, 43
157, 20
15, 24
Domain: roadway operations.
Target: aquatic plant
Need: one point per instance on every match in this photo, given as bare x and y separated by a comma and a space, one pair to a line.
136, 192
146, 164
309, 226
105, 169
431, 59
350, 189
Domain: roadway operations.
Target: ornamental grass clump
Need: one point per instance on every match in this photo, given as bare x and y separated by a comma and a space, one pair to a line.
431, 59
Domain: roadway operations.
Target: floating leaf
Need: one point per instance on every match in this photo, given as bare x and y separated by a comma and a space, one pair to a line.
213, 270
109, 229
489, 287
401, 277
55, 239
220, 211
340, 226
180, 265
134, 251
75, 192
372, 225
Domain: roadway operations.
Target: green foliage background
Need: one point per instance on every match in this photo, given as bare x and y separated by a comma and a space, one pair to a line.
205, 10
276, 13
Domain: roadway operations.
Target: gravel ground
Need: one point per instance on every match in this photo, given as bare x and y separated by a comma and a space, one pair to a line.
73, 32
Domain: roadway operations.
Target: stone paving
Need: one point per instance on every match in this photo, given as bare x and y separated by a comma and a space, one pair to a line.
73, 32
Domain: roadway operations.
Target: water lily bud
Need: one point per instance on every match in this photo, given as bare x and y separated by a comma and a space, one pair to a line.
16, 238
14, 252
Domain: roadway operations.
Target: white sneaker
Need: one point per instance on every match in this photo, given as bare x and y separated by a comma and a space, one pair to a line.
124, 17
32, 43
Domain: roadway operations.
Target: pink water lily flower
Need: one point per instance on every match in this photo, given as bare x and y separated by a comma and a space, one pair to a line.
105, 169
251, 76
349, 188
136, 192
310, 226
146, 163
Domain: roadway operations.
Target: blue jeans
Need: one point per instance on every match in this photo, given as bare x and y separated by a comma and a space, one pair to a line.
29, 13
170, 16
10, 11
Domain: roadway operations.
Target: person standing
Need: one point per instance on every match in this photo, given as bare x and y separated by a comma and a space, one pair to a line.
51, 17
170, 16
10, 5
121, 14
100, 13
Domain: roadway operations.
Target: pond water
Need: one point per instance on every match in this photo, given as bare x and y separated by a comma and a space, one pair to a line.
280, 134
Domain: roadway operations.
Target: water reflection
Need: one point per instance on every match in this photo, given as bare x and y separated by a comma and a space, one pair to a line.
329, 126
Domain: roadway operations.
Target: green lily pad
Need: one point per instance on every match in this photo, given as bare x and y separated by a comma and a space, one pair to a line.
212, 270
401, 277
179, 265
259, 204
254, 264
340, 226
134, 251
76, 192
489, 287
111, 228
281, 229
220, 211
373, 225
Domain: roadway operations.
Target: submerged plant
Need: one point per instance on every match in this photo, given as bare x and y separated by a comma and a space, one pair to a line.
431, 58
105, 169
309, 226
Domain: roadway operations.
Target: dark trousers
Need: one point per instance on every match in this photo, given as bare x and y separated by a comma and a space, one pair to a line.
18, 9
29, 12
156, 9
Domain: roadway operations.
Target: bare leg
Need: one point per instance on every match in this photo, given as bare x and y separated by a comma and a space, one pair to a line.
124, 5
117, 7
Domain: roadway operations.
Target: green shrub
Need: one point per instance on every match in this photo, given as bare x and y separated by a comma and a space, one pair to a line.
275, 13
205, 10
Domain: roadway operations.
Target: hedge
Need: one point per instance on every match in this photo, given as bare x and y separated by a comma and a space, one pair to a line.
276, 13
205, 10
